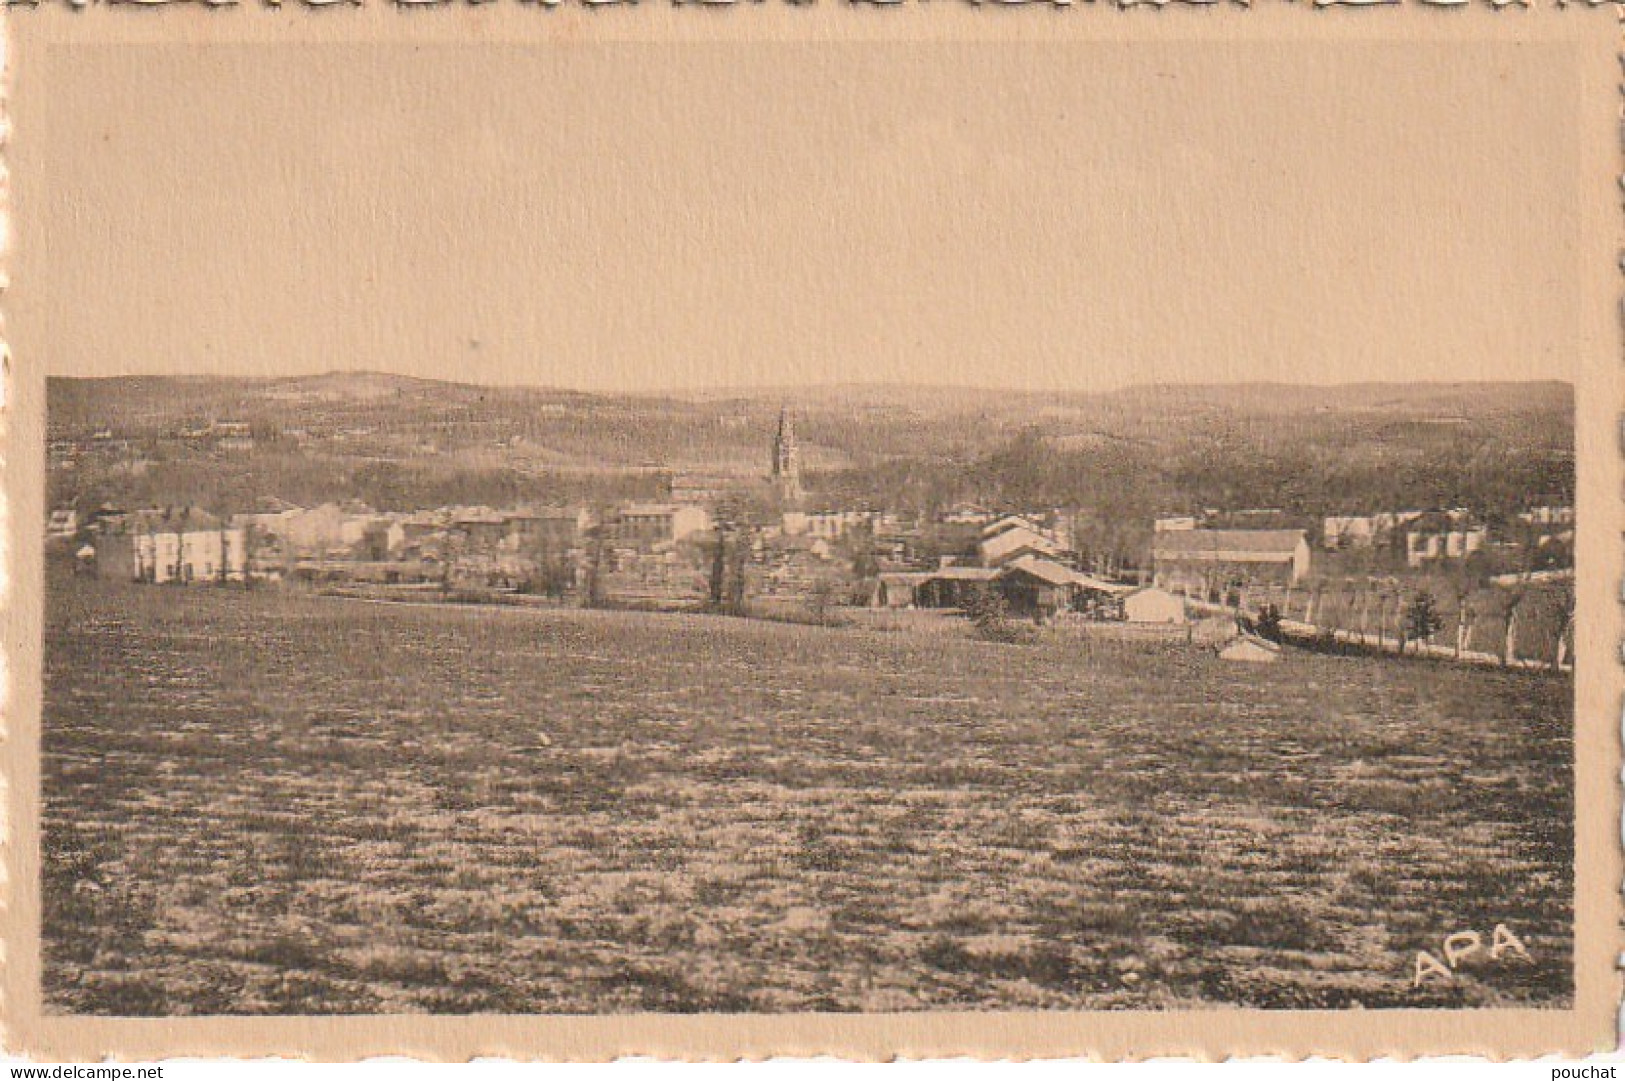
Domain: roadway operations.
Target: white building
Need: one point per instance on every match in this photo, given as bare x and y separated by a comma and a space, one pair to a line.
1426, 546
185, 546
832, 525
1363, 530
656, 523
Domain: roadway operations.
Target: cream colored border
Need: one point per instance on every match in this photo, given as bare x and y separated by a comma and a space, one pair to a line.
1590, 35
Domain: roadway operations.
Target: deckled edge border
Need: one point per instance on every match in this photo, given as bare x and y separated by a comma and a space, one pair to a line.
8, 470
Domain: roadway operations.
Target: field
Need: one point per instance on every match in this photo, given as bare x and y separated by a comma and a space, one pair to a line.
261, 803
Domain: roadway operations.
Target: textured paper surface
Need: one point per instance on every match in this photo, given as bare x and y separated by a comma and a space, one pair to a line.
714, 152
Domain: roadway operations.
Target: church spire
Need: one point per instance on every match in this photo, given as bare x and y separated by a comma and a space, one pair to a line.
786, 459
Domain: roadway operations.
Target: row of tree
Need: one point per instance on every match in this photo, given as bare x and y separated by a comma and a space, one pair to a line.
1521, 623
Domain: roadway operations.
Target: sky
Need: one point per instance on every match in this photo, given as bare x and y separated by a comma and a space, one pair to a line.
635, 217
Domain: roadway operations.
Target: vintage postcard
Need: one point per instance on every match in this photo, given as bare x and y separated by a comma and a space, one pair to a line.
573, 530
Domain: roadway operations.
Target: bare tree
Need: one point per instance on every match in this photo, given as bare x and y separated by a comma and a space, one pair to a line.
1565, 633
549, 573
738, 560
595, 555
730, 555
1462, 589
717, 582
1515, 597
820, 599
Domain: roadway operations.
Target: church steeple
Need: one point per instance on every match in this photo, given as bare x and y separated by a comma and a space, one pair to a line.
786, 459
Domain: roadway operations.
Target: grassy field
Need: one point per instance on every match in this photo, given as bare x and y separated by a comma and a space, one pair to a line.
262, 803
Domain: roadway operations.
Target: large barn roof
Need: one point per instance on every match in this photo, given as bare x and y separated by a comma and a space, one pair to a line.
1057, 574
1045, 570
1275, 545
1007, 523
998, 547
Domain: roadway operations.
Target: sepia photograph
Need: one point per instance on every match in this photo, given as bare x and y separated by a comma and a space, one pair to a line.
1007, 539
375, 694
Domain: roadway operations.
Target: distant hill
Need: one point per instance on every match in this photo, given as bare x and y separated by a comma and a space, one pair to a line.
1241, 442
894, 413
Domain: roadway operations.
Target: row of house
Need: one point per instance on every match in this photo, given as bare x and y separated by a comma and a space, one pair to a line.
350, 529
1425, 536
1422, 535
333, 539
1441, 535
1023, 557
1030, 558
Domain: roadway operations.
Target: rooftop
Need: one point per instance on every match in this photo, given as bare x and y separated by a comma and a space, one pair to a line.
1013, 540
964, 574
166, 520
1216, 543
1056, 574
